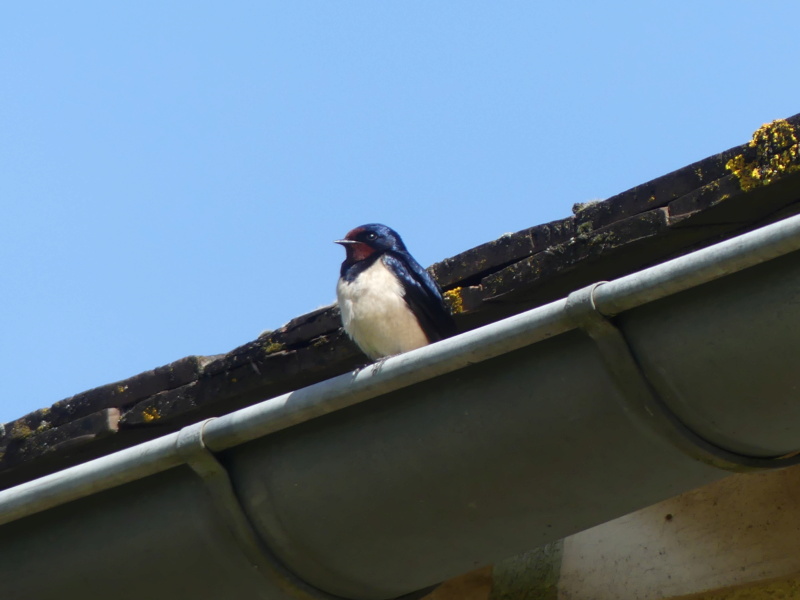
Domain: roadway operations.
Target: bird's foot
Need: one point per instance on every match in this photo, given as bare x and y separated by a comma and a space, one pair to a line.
375, 366
378, 365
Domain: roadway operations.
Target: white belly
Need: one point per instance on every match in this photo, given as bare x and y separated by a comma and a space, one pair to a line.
376, 316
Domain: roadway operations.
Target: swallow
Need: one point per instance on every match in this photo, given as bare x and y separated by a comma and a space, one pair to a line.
389, 303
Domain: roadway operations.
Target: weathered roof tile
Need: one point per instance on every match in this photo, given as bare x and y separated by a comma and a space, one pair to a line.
470, 266
26, 445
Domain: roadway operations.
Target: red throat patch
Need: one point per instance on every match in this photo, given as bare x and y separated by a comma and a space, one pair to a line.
359, 251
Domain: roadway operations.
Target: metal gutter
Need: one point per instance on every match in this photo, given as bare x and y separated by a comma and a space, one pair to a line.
397, 372
644, 401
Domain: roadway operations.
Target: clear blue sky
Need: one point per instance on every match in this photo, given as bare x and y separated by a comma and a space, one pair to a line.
172, 174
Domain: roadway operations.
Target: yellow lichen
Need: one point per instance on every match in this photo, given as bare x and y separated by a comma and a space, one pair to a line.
743, 171
273, 347
777, 153
454, 300
121, 388
150, 414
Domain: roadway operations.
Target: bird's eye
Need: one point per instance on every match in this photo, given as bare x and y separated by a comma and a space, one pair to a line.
372, 237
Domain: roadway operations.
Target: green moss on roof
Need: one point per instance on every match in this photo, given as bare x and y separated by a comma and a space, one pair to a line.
20, 431
273, 347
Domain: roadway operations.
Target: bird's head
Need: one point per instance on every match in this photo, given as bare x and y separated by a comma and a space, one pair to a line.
362, 242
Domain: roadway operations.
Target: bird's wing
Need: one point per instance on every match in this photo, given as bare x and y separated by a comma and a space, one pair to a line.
422, 295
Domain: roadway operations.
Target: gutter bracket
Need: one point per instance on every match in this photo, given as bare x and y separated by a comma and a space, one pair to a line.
191, 448
640, 400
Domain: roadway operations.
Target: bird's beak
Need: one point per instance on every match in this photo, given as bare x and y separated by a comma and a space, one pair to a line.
344, 242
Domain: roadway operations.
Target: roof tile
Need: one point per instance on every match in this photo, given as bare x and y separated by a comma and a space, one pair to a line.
695, 206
